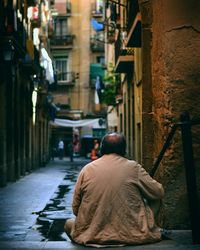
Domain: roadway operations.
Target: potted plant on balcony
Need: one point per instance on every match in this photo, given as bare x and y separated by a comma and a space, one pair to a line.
111, 82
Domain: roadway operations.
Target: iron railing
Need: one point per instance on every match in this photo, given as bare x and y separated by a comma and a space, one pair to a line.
185, 126
96, 12
120, 49
62, 40
97, 44
65, 78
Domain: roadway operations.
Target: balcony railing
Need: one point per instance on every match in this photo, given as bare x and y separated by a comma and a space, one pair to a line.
96, 12
124, 56
66, 78
185, 125
96, 45
63, 40
120, 49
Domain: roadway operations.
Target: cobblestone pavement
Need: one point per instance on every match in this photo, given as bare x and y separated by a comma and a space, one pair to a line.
33, 211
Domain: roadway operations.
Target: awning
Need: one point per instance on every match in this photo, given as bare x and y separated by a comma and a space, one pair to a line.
77, 123
96, 70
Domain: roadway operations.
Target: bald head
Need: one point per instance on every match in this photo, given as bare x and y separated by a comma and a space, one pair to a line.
113, 143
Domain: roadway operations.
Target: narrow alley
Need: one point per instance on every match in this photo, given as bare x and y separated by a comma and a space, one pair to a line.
34, 209
73, 71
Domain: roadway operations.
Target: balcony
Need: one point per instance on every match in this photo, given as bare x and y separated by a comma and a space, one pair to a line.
124, 57
63, 41
125, 61
65, 79
96, 12
97, 44
134, 25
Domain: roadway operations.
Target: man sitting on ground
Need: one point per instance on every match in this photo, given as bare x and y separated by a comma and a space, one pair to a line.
111, 200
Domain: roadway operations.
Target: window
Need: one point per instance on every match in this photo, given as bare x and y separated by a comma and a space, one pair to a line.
99, 6
61, 66
60, 27
100, 59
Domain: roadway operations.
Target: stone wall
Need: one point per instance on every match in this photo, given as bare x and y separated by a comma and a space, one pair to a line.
176, 88
147, 108
175, 69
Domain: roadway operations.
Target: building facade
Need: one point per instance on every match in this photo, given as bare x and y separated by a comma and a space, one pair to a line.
25, 73
154, 50
77, 51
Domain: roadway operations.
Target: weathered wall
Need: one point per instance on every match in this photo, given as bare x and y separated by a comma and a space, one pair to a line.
176, 88
147, 112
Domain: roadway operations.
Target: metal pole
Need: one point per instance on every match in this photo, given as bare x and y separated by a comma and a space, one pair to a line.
163, 150
190, 176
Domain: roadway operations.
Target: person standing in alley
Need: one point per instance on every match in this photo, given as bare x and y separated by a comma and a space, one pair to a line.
112, 200
71, 151
61, 149
95, 151
53, 153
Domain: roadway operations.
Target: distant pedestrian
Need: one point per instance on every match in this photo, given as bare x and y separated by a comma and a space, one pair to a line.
97, 147
95, 151
61, 149
71, 151
112, 200
53, 153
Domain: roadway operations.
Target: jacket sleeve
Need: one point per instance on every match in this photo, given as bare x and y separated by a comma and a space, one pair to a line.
150, 188
77, 194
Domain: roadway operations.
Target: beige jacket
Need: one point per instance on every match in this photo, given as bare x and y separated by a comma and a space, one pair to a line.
109, 203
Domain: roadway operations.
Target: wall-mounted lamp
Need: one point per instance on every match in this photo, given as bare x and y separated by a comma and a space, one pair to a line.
8, 51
